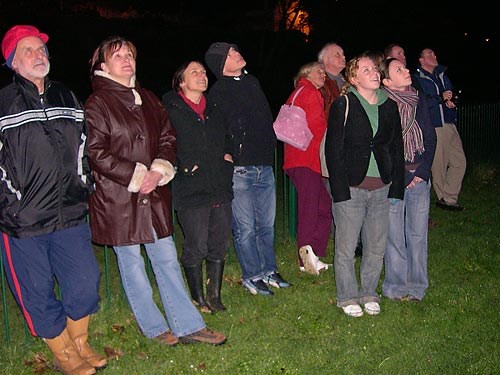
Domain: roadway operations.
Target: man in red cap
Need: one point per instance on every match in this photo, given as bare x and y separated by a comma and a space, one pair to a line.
44, 187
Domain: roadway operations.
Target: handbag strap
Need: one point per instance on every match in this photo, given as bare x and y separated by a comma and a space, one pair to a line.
346, 108
297, 93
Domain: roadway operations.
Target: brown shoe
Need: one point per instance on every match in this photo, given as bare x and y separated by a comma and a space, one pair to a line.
167, 338
413, 298
204, 335
431, 223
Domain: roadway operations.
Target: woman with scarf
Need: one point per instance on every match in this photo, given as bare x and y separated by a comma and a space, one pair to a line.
132, 149
406, 254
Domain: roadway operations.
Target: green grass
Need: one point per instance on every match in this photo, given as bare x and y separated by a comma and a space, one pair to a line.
299, 330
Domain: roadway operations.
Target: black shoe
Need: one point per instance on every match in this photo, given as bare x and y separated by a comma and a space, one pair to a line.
448, 206
257, 287
276, 280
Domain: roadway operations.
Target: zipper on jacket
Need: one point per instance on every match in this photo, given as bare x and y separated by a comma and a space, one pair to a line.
59, 163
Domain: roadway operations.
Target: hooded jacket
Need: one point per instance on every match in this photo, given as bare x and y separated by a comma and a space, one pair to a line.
245, 108
202, 143
129, 133
44, 175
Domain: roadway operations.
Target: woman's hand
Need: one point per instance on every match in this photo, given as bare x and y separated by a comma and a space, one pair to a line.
150, 182
416, 180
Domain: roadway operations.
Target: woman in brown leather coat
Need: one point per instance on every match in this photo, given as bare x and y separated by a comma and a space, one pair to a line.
131, 148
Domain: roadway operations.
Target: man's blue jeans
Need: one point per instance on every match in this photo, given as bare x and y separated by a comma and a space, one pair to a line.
406, 254
183, 317
254, 211
366, 212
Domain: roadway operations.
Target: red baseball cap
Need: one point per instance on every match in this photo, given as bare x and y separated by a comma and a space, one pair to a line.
14, 35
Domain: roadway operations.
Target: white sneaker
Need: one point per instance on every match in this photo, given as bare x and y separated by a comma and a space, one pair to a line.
353, 310
372, 308
322, 266
309, 259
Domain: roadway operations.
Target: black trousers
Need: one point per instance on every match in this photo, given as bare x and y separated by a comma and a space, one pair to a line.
206, 232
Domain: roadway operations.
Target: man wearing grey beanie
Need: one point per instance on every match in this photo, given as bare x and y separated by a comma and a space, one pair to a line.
247, 111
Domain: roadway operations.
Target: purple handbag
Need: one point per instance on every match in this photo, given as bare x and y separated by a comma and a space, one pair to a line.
291, 127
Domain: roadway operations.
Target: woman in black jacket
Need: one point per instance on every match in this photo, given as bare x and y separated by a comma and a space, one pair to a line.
202, 189
364, 155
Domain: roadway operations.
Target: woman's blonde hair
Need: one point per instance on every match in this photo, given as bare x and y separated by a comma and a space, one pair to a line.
305, 70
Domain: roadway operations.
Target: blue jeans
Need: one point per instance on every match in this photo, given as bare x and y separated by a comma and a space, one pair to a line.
254, 211
366, 212
406, 254
183, 317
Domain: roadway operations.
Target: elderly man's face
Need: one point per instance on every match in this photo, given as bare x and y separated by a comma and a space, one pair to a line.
30, 59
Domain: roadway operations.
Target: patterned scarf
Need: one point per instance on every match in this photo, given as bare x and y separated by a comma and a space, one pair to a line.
412, 134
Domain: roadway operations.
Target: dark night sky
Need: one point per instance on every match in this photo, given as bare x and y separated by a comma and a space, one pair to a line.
172, 33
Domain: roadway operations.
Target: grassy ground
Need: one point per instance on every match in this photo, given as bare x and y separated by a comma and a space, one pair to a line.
455, 330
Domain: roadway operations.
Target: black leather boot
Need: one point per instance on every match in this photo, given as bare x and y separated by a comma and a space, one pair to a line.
194, 278
215, 269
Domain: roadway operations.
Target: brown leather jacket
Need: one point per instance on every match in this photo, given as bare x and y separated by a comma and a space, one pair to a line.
126, 138
330, 91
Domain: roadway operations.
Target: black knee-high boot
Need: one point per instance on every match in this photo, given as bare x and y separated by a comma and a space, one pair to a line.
194, 277
215, 269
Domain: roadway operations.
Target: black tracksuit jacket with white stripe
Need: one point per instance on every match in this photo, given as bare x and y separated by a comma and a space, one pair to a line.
44, 176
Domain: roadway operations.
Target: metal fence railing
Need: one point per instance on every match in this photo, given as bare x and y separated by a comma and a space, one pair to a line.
479, 127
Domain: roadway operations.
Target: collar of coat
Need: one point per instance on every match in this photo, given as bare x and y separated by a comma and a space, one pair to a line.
137, 97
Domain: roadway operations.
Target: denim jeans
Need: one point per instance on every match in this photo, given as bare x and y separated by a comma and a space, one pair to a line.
254, 211
366, 212
406, 254
182, 316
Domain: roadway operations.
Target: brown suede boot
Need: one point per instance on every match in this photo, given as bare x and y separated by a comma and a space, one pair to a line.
66, 358
79, 333
204, 335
